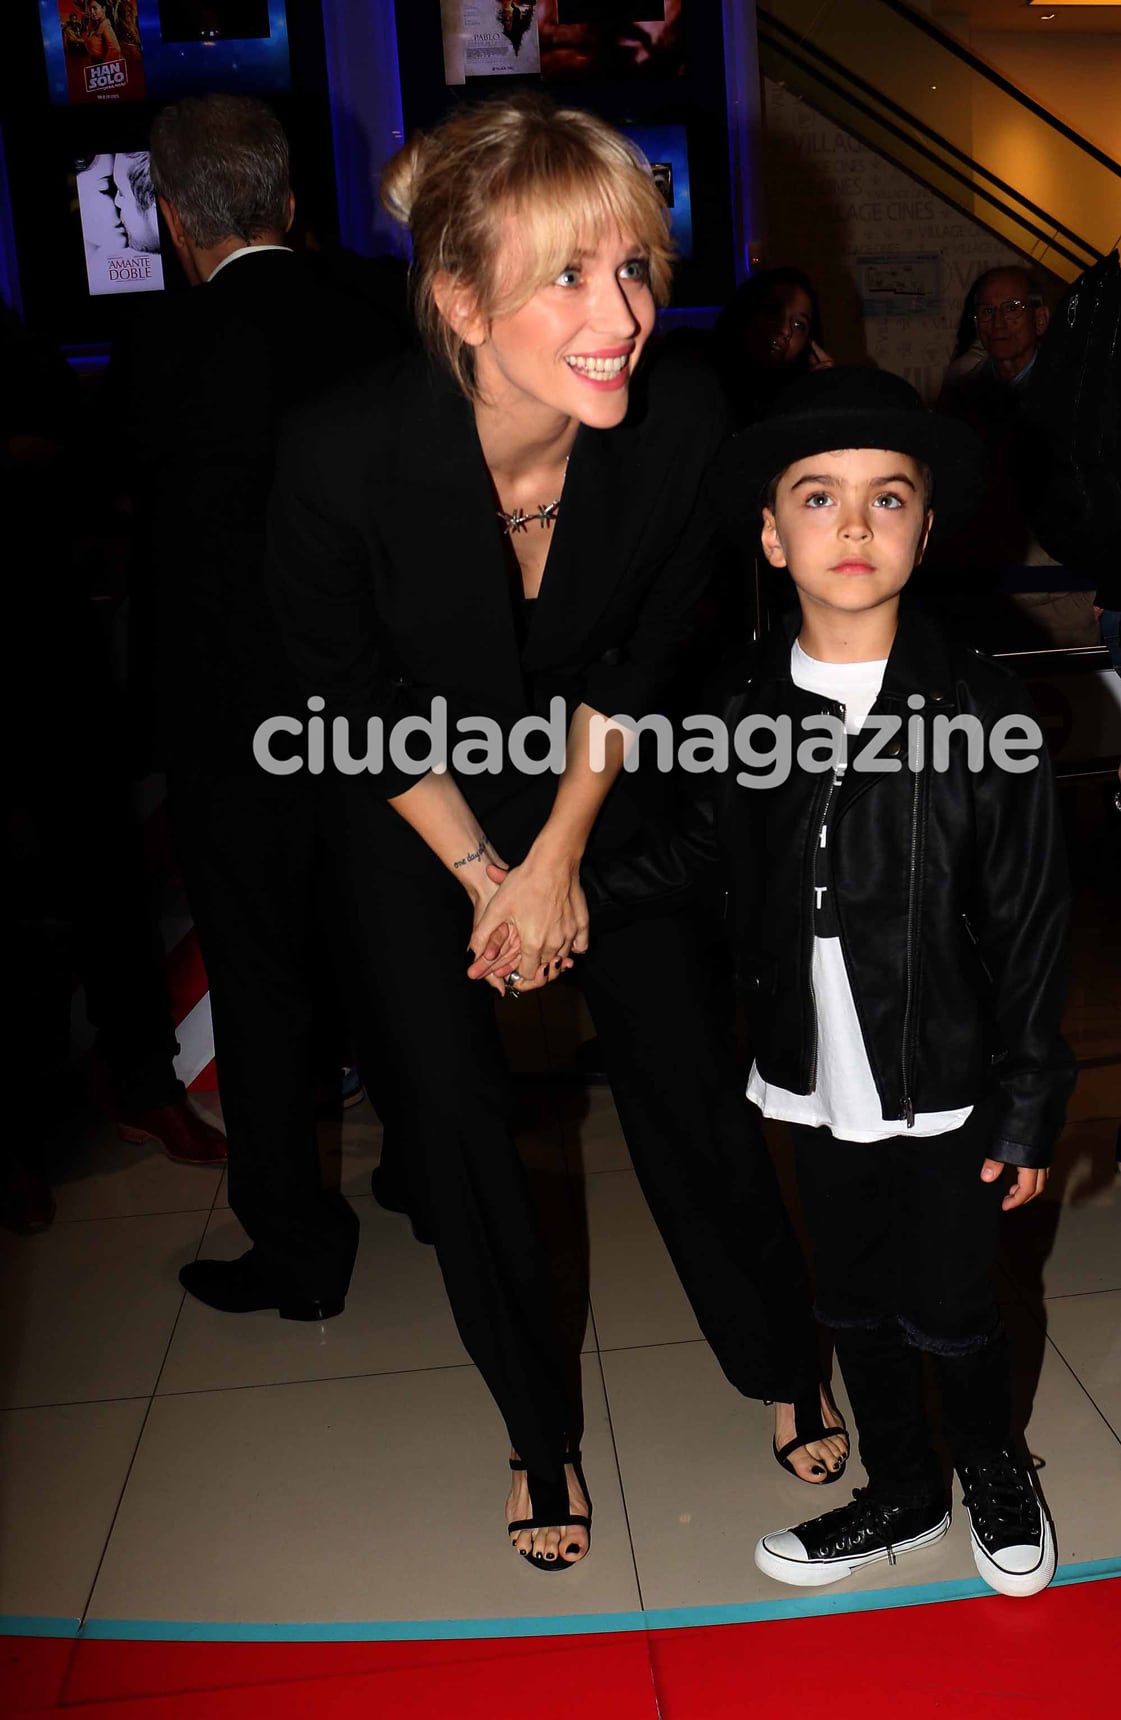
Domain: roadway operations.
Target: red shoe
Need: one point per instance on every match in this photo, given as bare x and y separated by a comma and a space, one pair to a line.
185, 1137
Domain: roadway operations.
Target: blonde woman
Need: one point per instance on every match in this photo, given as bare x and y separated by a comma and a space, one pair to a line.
514, 520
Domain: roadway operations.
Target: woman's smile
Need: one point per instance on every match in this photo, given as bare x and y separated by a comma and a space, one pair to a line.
605, 370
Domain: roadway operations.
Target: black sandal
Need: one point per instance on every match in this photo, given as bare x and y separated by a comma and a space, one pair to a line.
551, 1511
809, 1425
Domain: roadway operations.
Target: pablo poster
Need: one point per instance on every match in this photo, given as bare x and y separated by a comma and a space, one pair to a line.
120, 228
489, 39
616, 39
103, 51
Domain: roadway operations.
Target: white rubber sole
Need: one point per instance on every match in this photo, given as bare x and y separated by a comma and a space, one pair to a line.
1018, 1583
817, 1573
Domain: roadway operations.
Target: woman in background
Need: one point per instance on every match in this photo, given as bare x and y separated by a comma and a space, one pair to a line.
99, 35
766, 337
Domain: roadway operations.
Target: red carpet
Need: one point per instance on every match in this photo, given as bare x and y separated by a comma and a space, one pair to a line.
1057, 1655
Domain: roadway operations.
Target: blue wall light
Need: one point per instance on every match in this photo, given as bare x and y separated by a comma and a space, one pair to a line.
364, 85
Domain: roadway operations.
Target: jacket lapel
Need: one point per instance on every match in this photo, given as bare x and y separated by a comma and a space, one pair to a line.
595, 526
444, 525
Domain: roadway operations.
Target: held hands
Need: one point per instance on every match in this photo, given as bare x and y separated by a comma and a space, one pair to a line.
1026, 1185
481, 876
534, 922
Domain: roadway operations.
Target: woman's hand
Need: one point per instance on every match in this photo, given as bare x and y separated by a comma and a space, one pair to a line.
481, 878
536, 921
819, 358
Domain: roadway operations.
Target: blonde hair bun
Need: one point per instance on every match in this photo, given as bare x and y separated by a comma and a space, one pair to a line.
400, 181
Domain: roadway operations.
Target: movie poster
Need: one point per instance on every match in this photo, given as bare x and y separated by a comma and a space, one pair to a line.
489, 39
666, 148
618, 39
157, 50
120, 229
104, 56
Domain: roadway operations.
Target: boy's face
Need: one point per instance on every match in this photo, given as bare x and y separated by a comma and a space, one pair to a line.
849, 527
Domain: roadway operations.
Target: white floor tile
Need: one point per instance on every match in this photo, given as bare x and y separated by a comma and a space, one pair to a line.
1069, 1241
1081, 1477
61, 1475
1086, 1331
89, 1307
346, 1500
105, 1177
593, 1133
636, 1295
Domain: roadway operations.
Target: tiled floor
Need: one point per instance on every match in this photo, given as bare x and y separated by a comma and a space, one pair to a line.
164, 1462
159, 1462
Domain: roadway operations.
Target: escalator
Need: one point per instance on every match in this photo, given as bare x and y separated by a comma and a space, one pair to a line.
890, 76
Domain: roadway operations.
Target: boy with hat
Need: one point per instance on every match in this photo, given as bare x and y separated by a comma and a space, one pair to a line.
899, 900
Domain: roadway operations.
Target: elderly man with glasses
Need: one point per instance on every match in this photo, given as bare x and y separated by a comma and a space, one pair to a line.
1011, 321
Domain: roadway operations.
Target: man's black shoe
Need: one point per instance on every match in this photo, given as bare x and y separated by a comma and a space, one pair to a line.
843, 1541
239, 1287
390, 1195
1013, 1541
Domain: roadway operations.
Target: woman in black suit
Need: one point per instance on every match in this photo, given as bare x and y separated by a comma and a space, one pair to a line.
517, 531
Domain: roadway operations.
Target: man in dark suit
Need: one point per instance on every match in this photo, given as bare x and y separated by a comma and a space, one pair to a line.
210, 374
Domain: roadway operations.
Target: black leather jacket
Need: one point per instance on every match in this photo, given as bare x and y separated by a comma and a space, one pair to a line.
950, 885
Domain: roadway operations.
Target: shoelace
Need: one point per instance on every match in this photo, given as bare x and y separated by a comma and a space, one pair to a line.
999, 1495
864, 1514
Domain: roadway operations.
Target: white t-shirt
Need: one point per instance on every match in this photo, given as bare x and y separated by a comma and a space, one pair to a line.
844, 1098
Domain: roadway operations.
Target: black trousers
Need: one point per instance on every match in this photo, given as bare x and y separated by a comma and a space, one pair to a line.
696, 1147
904, 1236
251, 853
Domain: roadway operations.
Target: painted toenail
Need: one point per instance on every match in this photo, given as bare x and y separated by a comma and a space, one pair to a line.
817, 1469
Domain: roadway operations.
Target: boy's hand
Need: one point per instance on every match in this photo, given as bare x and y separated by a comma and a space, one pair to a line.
1027, 1185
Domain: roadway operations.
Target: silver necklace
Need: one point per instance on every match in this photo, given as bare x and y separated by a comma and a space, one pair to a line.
545, 513
519, 521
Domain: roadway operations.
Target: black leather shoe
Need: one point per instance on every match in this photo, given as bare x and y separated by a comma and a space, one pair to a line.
390, 1195
831, 1547
239, 1287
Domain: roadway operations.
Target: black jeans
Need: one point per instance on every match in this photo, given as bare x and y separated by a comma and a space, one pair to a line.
904, 1235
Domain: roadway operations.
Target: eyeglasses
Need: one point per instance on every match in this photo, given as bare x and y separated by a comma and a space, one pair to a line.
1009, 310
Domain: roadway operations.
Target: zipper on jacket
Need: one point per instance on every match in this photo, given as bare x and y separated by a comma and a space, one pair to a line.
818, 826
908, 1107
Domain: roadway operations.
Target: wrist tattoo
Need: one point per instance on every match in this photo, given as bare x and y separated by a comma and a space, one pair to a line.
476, 854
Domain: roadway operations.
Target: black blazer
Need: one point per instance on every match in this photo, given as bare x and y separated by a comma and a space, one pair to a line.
202, 387
393, 584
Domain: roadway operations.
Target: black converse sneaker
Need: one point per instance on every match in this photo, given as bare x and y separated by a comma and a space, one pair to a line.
831, 1547
1013, 1541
